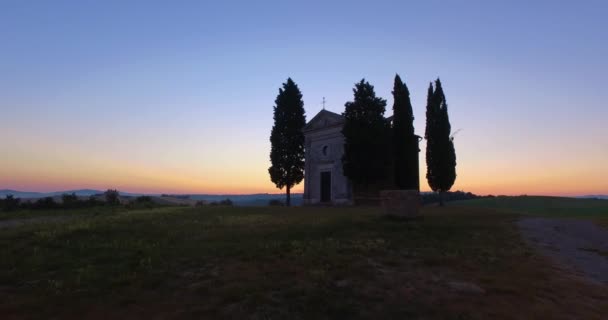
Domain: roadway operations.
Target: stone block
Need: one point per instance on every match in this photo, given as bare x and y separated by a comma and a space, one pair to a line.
401, 203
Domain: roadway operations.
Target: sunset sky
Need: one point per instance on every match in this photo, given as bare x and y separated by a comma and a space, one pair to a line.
177, 96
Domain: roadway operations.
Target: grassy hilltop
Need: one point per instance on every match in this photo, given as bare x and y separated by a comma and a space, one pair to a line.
464, 261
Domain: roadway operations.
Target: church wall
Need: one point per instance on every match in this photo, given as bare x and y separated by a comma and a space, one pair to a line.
324, 149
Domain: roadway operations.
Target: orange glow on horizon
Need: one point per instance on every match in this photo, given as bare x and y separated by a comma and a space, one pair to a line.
49, 169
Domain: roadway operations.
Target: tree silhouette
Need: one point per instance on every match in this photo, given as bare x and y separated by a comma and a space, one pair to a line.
366, 136
10, 203
287, 139
112, 197
405, 141
440, 152
69, 200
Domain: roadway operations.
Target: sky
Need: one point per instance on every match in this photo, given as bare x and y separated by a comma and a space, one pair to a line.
177, 96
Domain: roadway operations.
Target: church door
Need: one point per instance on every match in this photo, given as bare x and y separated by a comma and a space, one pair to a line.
326, 186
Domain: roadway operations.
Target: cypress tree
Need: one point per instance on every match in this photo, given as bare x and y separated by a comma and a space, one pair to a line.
366, 137
405, 142
440, 152
287, 139
429, 135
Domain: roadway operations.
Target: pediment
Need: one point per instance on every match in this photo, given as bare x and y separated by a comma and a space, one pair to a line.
324, 119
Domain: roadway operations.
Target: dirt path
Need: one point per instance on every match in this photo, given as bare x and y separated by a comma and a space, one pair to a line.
12, 223
578, 245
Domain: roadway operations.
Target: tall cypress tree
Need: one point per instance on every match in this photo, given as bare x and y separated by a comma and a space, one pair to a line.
287, 139
429, 135
440, 152
366, 137
405, 142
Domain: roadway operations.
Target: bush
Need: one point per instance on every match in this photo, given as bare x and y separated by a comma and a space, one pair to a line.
200, 203
276, 202
112, 197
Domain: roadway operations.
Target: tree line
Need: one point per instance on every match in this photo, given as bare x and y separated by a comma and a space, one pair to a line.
376, 150
111, 197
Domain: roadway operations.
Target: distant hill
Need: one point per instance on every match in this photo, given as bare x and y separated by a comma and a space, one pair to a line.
597, 196
26, 194
260, 199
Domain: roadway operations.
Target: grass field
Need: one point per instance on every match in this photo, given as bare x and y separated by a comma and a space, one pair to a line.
29, 214
545, 206
554, 207
278, 263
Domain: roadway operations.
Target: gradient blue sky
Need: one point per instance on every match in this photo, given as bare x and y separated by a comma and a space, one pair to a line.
177, 96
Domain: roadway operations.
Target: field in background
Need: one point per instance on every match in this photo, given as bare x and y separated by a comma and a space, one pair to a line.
555, 207
544, 206
459, 262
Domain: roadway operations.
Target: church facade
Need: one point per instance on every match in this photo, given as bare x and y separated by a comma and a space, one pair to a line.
324, 180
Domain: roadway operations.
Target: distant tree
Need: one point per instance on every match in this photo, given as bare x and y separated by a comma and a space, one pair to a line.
93, 201
112, 197
433, 197
69, 200
226, 202
405, 141
45, 203
366, 137
287, 139
141, 202
10, 203
440, 152
143, 199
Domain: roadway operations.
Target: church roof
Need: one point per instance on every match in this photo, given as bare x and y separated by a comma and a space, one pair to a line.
324, 119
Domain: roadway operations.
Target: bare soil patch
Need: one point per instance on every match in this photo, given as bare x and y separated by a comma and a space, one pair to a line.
580, 246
